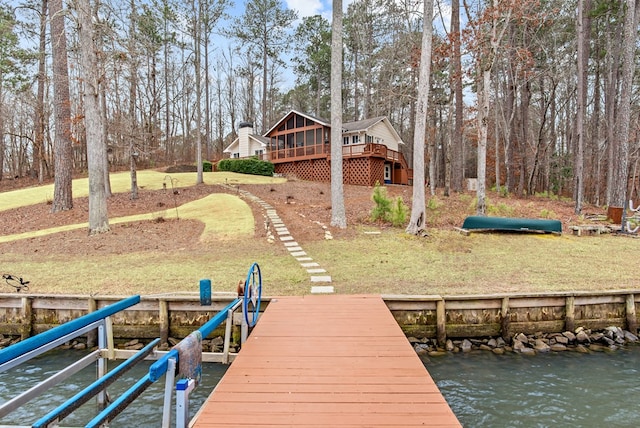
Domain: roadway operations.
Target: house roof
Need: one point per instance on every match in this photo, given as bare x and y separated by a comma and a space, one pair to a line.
308, 116
263, 141
361, 125
366, 124
356, 126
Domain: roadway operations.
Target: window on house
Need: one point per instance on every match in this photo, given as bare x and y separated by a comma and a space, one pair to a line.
259, 152
309, 138
299, 139
290, 141
345, 141
290, 123
369, 138
236, 155
319, 136
355, 139
299, 121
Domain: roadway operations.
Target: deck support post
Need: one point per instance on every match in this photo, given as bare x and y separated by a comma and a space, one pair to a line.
441, 321
569, 318
632, 322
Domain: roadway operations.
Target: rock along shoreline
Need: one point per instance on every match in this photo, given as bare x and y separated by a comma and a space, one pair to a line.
581, 340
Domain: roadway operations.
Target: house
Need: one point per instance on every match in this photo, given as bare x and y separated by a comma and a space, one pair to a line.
299, 145
247, 144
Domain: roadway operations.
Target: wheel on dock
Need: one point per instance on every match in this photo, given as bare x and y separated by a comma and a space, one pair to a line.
252, 295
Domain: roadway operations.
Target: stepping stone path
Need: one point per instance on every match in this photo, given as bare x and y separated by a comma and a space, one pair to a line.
317, 274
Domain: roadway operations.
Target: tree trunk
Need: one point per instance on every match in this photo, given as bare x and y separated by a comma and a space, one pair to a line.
63, 160
483, 124
621, 173
583, 29
338, 215
457, 165
417, 222
196, 65
98, 215
38, 143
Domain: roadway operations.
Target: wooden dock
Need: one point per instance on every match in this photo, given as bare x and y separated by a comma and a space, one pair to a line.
326, 361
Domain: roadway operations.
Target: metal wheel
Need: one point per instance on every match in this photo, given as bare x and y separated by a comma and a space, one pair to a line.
252, 295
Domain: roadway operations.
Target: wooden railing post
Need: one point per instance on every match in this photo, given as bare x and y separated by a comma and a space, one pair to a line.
569, 317
632, 321
441, 321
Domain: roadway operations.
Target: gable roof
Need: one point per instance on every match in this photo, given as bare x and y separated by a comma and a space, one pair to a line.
366, 124
307, 116
263, 141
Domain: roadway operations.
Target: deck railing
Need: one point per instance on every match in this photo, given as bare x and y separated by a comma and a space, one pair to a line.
324, 150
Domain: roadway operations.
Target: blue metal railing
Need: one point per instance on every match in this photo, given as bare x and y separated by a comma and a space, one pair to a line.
29, 348
36, 345
156, 371
189, 350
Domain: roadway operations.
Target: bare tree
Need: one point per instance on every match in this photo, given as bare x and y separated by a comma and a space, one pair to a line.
63, 161
457, 151
96, 151
417, 221
338, 215
621, 174
583, 30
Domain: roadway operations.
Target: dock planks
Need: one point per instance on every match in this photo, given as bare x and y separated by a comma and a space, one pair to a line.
326, 360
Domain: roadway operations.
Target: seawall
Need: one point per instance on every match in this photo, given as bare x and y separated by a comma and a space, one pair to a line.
432, 316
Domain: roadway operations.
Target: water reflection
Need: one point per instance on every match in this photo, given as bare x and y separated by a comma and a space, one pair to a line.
555, 389
146, 412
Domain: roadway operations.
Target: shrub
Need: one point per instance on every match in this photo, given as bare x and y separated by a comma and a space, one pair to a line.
382, 209
388, 210
207, 166
399, 212
251, 166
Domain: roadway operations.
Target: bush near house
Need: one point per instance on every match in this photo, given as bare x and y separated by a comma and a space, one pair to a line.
251, 166
207, 166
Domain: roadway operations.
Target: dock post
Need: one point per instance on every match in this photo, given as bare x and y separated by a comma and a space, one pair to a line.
441, 320
569, 318
632, 322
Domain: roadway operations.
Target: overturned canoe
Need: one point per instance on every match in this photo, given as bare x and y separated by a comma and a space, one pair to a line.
509, 224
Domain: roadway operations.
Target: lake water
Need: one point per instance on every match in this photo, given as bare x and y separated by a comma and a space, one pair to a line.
145, 412
484, 390
565, 389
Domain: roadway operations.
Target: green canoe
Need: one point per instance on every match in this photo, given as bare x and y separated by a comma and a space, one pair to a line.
508, 224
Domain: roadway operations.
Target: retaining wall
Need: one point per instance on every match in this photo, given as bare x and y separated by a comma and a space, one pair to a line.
438, 317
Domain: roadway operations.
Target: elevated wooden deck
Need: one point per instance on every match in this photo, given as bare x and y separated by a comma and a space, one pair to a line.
326, 361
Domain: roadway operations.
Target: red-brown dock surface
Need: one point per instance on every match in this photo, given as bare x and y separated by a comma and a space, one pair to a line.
326, 361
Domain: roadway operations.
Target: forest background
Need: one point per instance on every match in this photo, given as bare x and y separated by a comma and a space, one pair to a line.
171, 77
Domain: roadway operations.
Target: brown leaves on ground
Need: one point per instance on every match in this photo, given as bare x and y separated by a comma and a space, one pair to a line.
305, 208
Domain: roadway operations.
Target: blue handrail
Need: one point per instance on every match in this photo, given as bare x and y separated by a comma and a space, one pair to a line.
156, 370
100, 384
159, 368
35, 342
